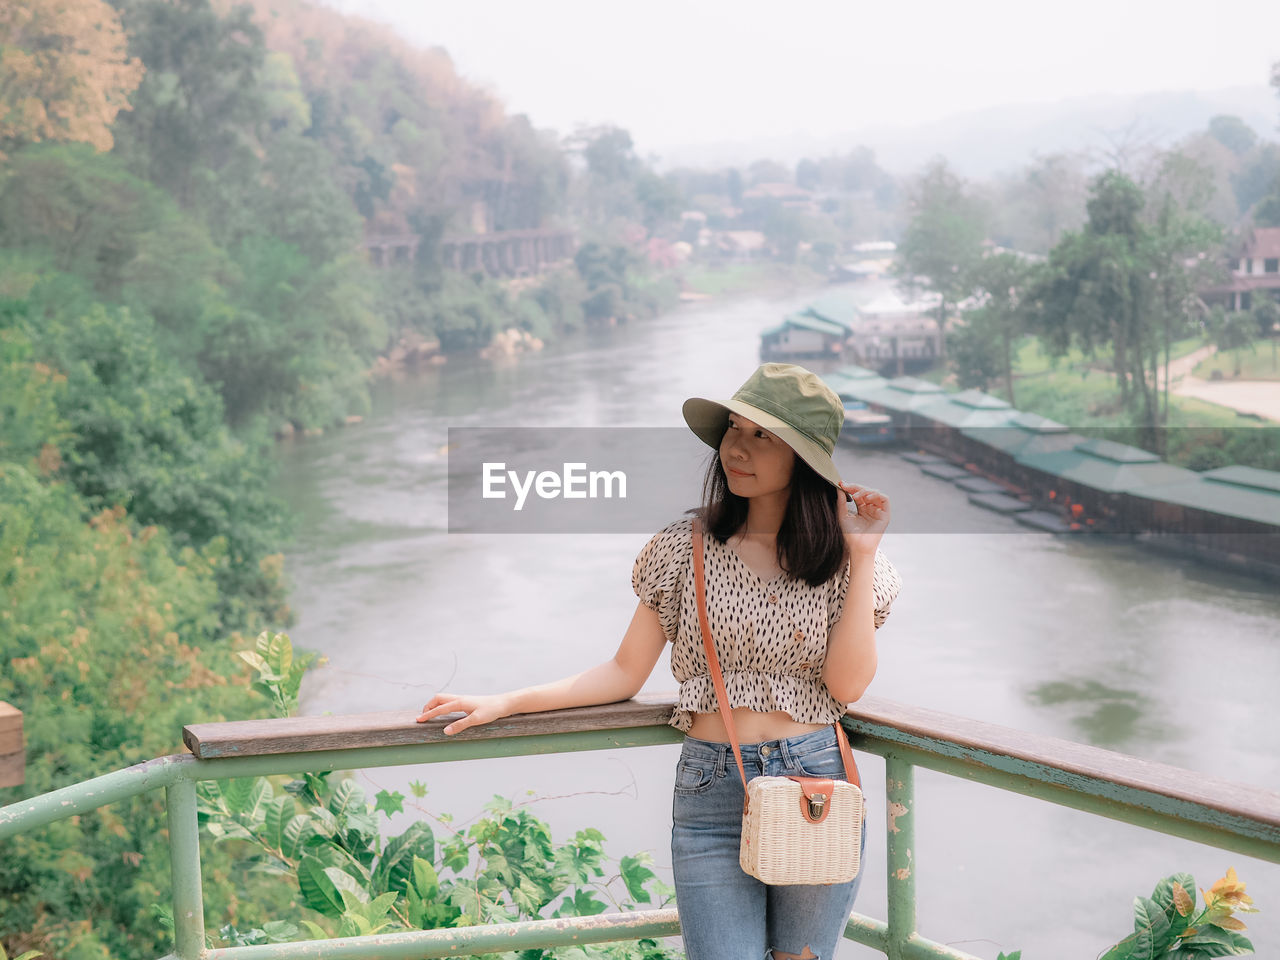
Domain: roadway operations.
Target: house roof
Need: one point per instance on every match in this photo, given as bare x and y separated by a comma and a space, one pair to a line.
1262, 243
836, 308
808, 321
1245, 492
1106, 465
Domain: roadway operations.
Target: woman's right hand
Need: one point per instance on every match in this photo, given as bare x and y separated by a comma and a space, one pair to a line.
478, 709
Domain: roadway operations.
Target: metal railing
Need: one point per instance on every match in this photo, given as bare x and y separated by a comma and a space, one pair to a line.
1227, 815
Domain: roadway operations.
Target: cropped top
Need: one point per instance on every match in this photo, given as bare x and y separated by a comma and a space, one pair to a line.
770, 635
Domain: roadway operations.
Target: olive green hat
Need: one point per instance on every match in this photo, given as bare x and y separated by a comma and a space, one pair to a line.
787, 400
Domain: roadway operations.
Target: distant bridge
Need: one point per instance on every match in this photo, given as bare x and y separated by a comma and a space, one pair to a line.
506, 253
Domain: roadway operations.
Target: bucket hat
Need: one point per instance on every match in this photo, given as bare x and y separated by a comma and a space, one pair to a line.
787, 400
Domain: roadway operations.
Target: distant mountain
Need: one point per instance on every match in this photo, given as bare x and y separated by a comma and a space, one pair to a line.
981, 143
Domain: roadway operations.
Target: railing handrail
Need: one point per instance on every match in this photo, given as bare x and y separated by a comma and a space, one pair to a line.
393, 728
881, 719
1156, 796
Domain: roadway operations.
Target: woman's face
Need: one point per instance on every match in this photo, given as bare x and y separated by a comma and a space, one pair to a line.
755, 461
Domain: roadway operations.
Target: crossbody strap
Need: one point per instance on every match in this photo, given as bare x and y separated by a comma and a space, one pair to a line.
722, 698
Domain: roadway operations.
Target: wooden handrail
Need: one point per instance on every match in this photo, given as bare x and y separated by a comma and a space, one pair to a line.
872, 722
13, 762
394, 728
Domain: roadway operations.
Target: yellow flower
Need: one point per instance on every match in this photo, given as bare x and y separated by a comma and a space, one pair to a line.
1229, 892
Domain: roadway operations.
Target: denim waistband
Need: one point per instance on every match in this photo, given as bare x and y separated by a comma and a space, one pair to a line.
786, 747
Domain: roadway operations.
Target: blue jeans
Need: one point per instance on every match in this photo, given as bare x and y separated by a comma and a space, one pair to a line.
725, 913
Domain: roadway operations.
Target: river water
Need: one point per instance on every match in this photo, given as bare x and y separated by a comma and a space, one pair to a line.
1155, 657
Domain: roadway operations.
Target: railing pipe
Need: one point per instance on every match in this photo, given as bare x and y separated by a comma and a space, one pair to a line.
89, 795
184, 865
899, 778
468, 941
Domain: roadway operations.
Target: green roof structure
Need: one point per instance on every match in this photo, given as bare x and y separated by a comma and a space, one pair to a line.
809, 321
835, 308
1025, 433
903, 394
969, 408
1106, 465
1246, 493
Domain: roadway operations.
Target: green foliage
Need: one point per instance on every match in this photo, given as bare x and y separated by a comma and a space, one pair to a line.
976, 350
943, 239
1233, 332
145, 436
325, 837
110, 645
1167, 923
1123, 284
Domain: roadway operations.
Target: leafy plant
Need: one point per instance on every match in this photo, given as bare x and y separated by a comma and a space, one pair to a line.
325, 837
1167, 924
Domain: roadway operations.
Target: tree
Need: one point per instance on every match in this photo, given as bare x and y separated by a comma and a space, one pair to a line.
1267, 212
1266, 313
943, 240
64, 72
808, 174
1122, 282
1233, 133
767, 171
198, 113
1234, 331
1001, 278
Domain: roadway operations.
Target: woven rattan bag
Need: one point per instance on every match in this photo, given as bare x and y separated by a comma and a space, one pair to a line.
794, 829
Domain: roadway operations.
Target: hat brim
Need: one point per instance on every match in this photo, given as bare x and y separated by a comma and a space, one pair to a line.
709, 419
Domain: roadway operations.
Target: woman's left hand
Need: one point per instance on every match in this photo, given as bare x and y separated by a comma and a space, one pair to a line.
864, 529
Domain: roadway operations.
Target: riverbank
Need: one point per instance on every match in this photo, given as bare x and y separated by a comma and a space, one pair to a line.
708, 281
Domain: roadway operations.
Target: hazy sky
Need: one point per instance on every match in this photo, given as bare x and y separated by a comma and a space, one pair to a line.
700, 71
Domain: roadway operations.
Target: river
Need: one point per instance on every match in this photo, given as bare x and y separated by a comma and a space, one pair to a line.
1157, 657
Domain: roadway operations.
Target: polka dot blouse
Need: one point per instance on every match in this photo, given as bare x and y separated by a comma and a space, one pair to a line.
770, 636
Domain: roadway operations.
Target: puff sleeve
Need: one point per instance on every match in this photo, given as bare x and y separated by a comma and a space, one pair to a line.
659, 572
886, 583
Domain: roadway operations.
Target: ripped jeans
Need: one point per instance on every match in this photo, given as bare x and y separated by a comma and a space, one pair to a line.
725, 913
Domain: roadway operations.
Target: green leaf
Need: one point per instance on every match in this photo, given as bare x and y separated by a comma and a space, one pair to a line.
1163, 893
380, 906
396, 863
236, 793
348, 798
1151, 929
346, 883
279, 654
1212, 941
318, 888
354, 925
418, 788
389, 803
583, 904
254, 660
259, 794
277, 816
280, 931
295, 834
316, 931
425, 880
635, 874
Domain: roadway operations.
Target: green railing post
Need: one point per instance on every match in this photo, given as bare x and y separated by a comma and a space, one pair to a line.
184, 863
899, 780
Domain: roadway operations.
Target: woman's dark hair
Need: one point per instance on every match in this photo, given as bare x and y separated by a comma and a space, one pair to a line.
811, 545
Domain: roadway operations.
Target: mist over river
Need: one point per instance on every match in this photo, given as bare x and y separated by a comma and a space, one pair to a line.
1110, 645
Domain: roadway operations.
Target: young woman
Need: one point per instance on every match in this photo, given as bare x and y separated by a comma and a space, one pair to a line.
795, 589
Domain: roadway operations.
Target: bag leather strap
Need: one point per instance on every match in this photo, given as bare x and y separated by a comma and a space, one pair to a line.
722, 698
